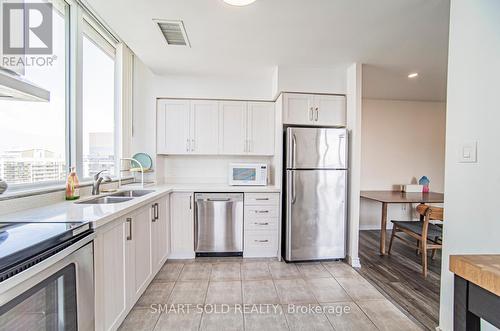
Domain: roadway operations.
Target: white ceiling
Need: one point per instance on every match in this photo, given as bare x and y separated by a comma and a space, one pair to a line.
392, 37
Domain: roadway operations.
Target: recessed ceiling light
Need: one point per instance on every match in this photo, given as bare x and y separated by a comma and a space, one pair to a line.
239, 2
413, 75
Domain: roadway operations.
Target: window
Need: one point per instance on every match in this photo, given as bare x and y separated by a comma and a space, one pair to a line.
33, 144
39, 141
98, 104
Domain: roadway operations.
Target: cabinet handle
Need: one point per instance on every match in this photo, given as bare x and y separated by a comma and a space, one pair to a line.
262, 211
262, 199
311, 110
317, 114
193, 145
261, 241
190, 204
157, 213
187, 145
153, 219
129, 221
257, 223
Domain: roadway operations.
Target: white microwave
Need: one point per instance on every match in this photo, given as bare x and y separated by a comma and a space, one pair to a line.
248, 174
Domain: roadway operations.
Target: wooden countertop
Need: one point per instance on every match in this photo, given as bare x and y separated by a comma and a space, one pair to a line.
403, 197
482, 270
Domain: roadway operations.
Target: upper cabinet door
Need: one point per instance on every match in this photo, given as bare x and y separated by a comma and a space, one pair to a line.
330, 110
298, 108
204, 127
232, 127
260, 127
173, 127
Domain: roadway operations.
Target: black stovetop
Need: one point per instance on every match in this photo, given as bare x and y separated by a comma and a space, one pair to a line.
20, 242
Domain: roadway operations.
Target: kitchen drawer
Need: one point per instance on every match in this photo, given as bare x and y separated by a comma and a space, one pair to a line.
264, 223
261, 211
261, 244
262, 199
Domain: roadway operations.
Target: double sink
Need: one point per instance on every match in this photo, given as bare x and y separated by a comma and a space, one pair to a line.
117, 197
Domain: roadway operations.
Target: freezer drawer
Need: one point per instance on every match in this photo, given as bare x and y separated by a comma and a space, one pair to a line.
315, 214
316, 148
219, 223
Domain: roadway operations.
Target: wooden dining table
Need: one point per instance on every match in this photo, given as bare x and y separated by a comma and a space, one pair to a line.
388, 197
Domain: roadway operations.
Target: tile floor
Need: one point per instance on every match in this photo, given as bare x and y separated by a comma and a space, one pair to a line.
263, 294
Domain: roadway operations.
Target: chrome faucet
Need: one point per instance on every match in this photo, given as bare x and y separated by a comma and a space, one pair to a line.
98, 179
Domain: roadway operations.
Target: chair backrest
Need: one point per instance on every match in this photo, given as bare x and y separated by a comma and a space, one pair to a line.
433, 213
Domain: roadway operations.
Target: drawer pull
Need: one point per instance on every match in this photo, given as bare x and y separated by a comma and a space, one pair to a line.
262, 211
262, 199
261, 241
257, 223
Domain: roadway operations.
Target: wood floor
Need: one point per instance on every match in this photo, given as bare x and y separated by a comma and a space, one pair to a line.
399, 276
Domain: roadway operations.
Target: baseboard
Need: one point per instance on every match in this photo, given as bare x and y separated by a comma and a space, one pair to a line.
354, 262
364, 227
181, 256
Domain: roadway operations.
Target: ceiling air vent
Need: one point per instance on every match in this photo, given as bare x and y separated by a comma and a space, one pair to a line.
174, 32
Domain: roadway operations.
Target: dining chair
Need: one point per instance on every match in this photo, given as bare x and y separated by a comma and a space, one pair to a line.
427, 234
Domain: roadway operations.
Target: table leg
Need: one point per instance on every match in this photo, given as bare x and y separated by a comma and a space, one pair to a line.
463, 319
383, 228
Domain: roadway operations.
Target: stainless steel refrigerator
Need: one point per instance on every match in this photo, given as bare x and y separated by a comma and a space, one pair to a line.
315, 182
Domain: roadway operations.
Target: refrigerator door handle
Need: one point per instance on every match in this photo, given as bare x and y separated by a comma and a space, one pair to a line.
294, 150
294, 195
341, 139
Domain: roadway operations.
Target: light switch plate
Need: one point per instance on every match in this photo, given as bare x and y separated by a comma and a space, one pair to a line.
468, 152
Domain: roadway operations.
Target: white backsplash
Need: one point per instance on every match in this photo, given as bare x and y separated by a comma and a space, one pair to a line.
189, 169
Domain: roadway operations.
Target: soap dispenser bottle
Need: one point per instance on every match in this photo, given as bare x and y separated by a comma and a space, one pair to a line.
72, 185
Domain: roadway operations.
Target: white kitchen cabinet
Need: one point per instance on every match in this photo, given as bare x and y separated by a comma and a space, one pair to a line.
314, 109
172, 127
330, 110
246, 128
160, 232
204, 127
298, 108
110, 268
260, 128
261, 225
138, 251
129, 251
182, 226
233, 127
187, 127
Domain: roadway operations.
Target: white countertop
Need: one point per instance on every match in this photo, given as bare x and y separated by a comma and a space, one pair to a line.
100, 214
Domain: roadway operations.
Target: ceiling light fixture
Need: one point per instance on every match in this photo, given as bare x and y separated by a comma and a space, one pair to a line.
413, 75
239, 2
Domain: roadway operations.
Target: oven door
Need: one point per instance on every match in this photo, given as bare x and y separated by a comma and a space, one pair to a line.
56, 294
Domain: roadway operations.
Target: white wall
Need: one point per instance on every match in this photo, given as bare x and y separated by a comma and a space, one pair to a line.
473, 103
216, 87
321, 79
354, 80
402, 141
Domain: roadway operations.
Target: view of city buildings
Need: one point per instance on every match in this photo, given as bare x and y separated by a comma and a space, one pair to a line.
41, 165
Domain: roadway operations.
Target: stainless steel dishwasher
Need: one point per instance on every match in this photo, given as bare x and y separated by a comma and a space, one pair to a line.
218, 224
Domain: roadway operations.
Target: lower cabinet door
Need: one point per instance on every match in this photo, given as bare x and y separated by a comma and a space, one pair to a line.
182, 225
138, 253
160, 218
110, 268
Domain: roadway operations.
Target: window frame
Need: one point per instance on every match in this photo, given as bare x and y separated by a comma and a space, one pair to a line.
76, 17
94, 31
